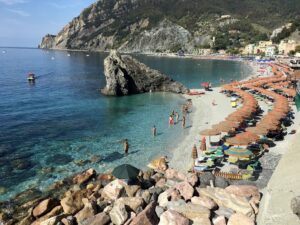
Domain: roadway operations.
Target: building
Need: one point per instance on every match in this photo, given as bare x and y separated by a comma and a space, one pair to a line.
262, 46
249, 49
271, 50
286, 46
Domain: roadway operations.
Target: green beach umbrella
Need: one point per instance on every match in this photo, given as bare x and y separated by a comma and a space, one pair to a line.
238, 152
125, 171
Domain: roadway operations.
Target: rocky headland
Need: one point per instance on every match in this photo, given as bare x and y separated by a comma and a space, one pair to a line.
125, 76
160, 195
168, 26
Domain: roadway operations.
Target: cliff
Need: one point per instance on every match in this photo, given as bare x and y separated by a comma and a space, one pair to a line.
125, 75
171, 25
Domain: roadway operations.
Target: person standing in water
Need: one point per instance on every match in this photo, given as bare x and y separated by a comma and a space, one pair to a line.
154, 131
183, 121
126, 147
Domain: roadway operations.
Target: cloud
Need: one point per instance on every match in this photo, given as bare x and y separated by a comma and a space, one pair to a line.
19, 12
12, 2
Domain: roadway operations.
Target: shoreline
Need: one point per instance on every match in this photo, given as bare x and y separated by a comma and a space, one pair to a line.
202, 108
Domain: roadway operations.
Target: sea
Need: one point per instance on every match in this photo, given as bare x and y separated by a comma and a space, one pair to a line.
61, 124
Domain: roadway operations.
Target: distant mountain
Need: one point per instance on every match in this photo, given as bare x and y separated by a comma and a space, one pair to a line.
170, 25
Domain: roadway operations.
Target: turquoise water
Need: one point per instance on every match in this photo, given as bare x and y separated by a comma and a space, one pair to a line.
48, 127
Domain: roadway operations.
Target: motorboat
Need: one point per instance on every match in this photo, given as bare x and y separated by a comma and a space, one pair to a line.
31, 77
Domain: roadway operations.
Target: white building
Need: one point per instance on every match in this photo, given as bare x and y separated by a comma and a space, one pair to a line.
271, 50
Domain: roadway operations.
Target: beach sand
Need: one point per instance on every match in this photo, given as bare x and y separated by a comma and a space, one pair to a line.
203, 116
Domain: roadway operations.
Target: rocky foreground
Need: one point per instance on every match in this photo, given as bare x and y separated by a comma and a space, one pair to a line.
161, 196
125, 76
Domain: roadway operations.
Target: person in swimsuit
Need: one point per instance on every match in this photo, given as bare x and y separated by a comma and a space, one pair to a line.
126, 147
154, 131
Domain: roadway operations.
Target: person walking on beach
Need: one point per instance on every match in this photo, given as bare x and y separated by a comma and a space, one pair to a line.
171, 120
176, 117
126, 147
154, 130
183, 121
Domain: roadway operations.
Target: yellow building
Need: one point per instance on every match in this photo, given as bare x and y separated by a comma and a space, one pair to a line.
286, 46
262, 46
249, 49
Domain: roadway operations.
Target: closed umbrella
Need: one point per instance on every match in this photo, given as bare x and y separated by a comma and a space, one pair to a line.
125, 171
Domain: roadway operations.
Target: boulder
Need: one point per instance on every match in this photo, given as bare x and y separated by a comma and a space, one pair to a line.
156, 177
205, 179
113, 190
84, 177
146, 196
72, 202
43, 207
53, 220
161, 183
204, 201
192, 179
118, 214
228, 200
192, 211
171, 217
248, 191
295, 205
171, 173
221, 182
133, 203
219, 220
239, 218
201, 221
70, 220
159, 210
226, 212
88, 211
175, 195
98, 219
164, 197
54, 212
185, 189
172, 204
125, 76
131, 189
147, 216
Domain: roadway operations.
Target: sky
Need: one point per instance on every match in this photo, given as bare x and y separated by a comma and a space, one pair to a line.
23, 23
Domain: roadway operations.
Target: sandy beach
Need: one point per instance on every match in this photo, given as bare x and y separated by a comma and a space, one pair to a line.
204, 115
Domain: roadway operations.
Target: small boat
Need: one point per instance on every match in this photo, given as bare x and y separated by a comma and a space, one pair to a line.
31, 77
3, 51
87, 55
69, 55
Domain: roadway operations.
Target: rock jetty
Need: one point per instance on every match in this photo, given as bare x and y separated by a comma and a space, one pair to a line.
160, 196
125, 76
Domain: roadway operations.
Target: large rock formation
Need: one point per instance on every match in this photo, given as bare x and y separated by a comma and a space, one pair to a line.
125, 75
